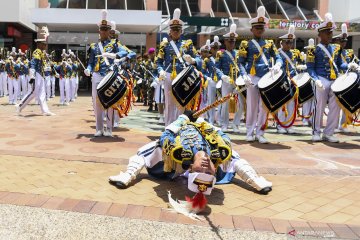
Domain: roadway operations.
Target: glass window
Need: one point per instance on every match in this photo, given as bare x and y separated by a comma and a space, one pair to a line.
58, 3
135, 5
77, 4
96, 4
116, 4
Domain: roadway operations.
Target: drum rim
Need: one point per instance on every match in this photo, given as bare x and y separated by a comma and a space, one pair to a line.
304, 82
183, 72
103, 82
262, 79
336, 83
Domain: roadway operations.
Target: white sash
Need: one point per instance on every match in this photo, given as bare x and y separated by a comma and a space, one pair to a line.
232, 59
262, 52
328, 55
287, 58
102, 51
177, 52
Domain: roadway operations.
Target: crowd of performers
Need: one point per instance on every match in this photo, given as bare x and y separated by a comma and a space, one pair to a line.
177, 80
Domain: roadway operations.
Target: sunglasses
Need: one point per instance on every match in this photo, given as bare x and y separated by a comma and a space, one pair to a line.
175, 29
104, 28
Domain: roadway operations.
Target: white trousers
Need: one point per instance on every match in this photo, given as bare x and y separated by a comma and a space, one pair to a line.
73, 88
52, 81
307, 109
226, 89
13, 90
98, 108
323, 97
159, 93
211, 98
3, 84
171, 111
48, 86
64, 84
40, 88
256, 114
24, 87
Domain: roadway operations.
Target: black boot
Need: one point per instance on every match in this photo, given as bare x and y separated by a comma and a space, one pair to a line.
150, 109
156, 108
145, 103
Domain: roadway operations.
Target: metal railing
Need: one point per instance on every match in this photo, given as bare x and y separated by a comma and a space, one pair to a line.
282, 9
245, 8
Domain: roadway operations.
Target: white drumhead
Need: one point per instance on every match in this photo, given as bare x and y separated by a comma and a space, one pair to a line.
105, 79
344, 81
240, 81
301, 78
269, 79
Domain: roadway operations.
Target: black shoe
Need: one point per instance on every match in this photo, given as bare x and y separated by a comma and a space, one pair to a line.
150, 109
265, 190
145, 103
118, 184
156, 108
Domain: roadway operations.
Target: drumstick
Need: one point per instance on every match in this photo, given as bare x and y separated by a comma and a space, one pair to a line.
215, 104
349, 68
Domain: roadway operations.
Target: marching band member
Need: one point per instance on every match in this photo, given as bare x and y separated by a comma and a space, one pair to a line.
37, 76
169, 65
256, 54
52, 77
64, 69
204, 63
74, 76
47, 76
185, 149
159, 88
22, 77
3, 78
150, 67
101, 57
11, 67
347, 55
308, 106
324, 62
212, 91
228, 70
292, 61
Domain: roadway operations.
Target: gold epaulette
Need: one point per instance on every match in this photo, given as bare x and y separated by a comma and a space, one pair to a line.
37, 54
243, 48
310, 54
218, 55
205, 61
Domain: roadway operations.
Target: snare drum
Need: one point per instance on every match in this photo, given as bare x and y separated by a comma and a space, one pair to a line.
111, 89
347, 90
305, 85
275, 90
186, 85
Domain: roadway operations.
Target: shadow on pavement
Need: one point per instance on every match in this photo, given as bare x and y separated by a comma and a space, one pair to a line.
342, 145
32, 115
102, 139
269, 146
153, 138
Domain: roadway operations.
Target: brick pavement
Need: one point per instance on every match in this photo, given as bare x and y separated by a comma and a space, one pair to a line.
53, 162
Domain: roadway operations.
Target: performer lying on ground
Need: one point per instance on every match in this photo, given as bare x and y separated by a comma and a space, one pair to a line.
195, 149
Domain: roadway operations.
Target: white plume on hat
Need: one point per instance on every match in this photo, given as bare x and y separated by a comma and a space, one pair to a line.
290, 34
104, 14
113, 25
45, 33
13, 49
260, 14
216, 41
328, 17
344, 29
177, 13
311, 43
232, 31
165, 39
176, 18
207, 42
261, 11
324, 25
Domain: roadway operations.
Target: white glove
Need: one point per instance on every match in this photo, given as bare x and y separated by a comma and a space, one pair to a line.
247, 81
118, 61
188, 59
353, 66
87, 72
109, 55
276, 67
301, 67
154, 83
225, 78
47, 69
162, 75
208, 79
319, 84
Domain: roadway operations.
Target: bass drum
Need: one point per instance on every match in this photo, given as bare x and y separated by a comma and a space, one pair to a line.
305, 85
347, 90
111, 89
275, 90
186, 85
